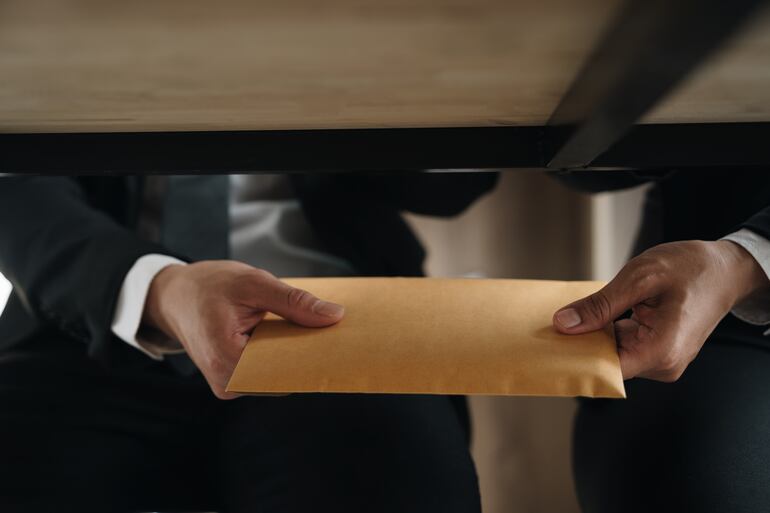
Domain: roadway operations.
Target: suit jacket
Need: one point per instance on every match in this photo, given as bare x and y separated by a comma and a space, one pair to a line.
67, 243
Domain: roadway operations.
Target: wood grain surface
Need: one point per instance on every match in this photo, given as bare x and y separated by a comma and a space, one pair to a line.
103, 65
733, 86
108, 65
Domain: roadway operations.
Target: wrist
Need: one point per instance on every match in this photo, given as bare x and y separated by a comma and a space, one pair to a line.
158, 307
744, 274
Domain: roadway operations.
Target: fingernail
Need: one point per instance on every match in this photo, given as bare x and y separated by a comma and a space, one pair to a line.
568, 318
328, 309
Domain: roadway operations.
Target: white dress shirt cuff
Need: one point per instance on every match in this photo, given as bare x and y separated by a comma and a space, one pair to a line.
756, 308
126, 322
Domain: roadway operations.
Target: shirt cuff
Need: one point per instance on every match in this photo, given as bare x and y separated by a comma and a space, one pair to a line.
756, 308
126, 322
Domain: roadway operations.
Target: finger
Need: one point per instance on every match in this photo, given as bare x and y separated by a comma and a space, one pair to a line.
218, 385
217, 381
226, 396
604, 306
248, 328
634, 356
297, 305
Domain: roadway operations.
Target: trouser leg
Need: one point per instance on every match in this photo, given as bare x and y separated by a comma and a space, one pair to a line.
77, 437
700, 444
347, 453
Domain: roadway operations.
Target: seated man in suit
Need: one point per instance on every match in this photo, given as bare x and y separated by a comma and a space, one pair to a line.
132, 300
694, 435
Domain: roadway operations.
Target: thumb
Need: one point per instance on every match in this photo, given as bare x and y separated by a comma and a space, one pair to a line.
298, 306
600, 308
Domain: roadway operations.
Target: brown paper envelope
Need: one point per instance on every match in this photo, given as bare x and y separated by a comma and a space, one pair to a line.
433, 336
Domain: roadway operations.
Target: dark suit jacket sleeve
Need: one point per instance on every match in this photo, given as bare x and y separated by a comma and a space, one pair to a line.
66, 260
759, 223
435, 194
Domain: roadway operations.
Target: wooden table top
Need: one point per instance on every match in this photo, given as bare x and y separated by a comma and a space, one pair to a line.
149, 65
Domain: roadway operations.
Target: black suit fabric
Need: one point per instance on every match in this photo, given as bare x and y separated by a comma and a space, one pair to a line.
88, 423
67, 243
701, 443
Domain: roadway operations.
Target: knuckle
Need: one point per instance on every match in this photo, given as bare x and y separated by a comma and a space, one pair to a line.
217, 365
598, 306
671, 375
661, 263
671, 366
648, 276
668, 363
642, 263
220, 393
646, 279
298, 298
648, 262
261, 274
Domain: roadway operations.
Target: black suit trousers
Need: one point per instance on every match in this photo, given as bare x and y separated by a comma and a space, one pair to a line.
76, 436
701, 444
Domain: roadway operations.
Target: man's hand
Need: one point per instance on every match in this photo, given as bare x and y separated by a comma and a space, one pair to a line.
211, 308
678, 293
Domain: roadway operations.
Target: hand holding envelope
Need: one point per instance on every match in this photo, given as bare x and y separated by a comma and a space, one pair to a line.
433, 336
